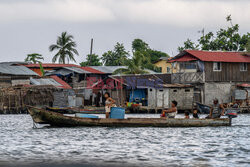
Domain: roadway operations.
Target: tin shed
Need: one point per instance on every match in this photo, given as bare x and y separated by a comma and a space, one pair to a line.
159, 98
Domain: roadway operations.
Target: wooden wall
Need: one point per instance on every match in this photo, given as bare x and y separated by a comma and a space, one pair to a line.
229, 72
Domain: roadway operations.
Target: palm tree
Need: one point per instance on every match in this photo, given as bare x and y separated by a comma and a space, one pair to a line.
115, 57
108, 58
34, 58
134, 65
66, 48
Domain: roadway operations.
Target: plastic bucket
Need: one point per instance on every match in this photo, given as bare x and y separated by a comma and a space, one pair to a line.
117, 113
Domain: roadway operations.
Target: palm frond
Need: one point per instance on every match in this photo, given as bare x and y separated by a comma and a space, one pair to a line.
54, 47
54, 59
120, 71
66, 48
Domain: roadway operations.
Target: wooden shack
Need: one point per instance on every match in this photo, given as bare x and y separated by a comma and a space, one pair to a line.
13, 100
12, 74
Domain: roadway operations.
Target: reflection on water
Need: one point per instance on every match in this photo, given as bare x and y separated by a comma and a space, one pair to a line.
100, 146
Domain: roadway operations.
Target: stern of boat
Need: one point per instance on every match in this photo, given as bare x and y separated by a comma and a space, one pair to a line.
35, 113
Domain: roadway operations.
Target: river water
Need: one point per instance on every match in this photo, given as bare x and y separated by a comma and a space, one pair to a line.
23, 145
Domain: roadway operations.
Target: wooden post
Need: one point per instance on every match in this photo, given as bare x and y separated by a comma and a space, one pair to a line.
91, 49
121, 92
9, 103
91, 46
117, 93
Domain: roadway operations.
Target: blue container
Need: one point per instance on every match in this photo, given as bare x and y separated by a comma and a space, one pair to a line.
80, 115
117, 113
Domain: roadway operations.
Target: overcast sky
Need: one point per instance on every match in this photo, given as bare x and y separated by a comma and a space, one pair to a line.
28, 26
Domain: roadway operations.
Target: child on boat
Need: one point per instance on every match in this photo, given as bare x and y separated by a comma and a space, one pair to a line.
186, 115
170, 113
195, 113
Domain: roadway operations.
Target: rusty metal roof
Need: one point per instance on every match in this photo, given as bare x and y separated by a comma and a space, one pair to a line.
77, 70
52, 65
92, 70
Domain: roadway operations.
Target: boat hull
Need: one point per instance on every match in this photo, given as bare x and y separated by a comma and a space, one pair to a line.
59, 120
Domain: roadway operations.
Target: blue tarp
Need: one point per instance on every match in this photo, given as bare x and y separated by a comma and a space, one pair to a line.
137, 94
200, 66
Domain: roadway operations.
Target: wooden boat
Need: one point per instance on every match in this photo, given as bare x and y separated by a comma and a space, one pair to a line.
43, 116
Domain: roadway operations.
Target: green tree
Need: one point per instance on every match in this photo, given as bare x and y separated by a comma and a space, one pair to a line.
117, 57
34, 58
134, 65
248, 46
227, 39
188, 44
108, 57
92, 60
156, 55
66, 48
139, 45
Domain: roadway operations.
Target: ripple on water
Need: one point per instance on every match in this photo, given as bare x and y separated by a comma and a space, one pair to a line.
209, 146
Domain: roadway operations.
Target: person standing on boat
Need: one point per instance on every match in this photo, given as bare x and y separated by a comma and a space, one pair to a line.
108, 104
170, 113
217, 110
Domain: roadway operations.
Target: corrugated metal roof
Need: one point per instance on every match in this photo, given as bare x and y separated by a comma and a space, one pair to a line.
63, 83
107, 69
44, 81
92, 70
244, 85
52, 65
146, 80
62, 72
53, 80
77, 70
185, 58
111, 69
215, 56
9, 68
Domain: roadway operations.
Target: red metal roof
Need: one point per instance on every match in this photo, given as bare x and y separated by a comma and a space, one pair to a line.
92, 70
244, 85
51, 65
60, 81
214, 56
186, 57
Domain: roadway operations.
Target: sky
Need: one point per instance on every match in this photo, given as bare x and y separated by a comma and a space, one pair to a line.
30, 26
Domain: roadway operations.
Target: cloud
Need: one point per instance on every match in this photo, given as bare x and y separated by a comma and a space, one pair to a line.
62, 10
184, 13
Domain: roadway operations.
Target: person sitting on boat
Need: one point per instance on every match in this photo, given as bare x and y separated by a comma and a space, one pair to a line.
217, 110
186, 114
195, 113
108, 104
170, 113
